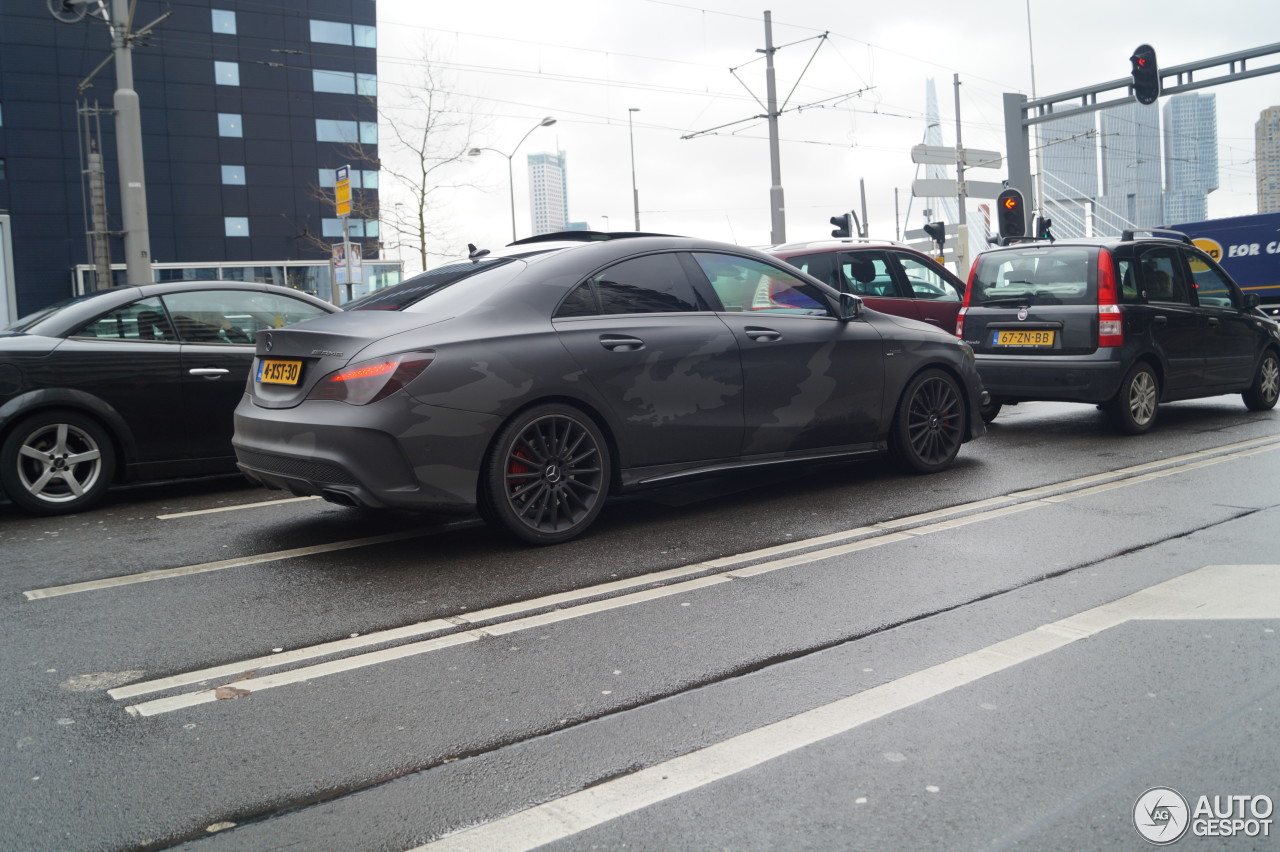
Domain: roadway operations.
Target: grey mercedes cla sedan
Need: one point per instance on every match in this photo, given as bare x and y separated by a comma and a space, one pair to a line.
533, 382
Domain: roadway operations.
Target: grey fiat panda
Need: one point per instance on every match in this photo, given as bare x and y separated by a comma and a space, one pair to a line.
1125, 323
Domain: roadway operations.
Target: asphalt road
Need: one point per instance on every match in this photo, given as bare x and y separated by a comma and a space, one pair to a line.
1003, 656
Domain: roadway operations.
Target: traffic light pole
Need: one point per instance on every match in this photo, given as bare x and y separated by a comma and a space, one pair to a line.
1020, 114
962, 228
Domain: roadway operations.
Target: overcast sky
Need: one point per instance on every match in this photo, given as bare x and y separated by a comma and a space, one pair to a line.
587, 62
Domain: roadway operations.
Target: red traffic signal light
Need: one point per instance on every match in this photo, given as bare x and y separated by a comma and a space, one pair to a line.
1146, 74
1011, 217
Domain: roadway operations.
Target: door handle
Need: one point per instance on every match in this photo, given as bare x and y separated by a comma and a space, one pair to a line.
763, 335
208, 372
1160, 321
617, 343
1213, 320
933, 321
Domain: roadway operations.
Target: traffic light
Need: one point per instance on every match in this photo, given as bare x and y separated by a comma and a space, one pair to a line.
1011, 219
1042, 230
937, 232
1146, 74
844, 225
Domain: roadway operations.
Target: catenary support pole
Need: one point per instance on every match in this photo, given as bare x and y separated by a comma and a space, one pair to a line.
777, 209
133, 189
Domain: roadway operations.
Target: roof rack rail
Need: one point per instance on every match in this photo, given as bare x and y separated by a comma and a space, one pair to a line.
583, 237
830, 240
1025, 238
1127, 234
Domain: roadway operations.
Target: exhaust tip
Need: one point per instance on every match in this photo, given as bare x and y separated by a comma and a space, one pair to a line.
342, 498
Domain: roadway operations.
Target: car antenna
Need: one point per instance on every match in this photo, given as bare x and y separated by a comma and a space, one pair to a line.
474, 253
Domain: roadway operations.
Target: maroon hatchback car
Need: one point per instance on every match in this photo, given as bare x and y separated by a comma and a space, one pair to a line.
889, 277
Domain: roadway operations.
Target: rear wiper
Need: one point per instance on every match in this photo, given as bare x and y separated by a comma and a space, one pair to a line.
1023, 301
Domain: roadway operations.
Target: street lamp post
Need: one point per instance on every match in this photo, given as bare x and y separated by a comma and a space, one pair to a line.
511, 179
635, 193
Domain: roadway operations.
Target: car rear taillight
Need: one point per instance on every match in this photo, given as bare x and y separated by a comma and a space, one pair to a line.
1110, 321
370, 381
964, 307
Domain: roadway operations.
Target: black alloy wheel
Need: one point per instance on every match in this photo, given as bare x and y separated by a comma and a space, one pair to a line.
1135, 406
1265, 390
929, 427
57, 462
547, 477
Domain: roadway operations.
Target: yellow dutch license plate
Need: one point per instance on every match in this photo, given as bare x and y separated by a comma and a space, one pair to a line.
275, 372
1024, 338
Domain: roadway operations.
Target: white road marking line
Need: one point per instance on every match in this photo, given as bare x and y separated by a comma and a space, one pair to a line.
1213, 592
1210, 456
188, 570
815, 555
258, 684
324, 649
258, 505
422, 628
506, 610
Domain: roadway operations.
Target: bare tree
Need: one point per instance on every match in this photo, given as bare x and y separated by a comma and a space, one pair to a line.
430, 131
425, 131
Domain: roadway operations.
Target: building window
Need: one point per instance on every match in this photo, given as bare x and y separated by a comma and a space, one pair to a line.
2, 172
229, 124
237, 226
358, 227
330, 32
350, 132
223, 21
336, 32
338, 82
360, 178
226, 73
334, 130
233, 175
344, 83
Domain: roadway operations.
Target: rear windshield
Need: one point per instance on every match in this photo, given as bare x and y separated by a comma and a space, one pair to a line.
1035, 276
23, 323
419, 287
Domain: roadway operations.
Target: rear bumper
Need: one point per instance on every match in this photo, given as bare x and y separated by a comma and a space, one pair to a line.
1088, 378
396, 453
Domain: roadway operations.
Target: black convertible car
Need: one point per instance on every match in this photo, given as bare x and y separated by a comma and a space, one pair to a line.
129, 383
533, 382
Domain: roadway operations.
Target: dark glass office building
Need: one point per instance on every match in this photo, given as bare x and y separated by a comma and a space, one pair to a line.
247, 110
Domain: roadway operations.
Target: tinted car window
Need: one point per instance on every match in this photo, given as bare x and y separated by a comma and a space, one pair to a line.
654, 283
1160, 271
868, 273
925, 282
1212, 287
418, 287
1128, 280
744, 284
141, 320
232, 316
1034, 276
581, 302
865, 273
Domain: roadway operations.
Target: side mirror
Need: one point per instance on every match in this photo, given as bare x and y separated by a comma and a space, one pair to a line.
1251, 301
850, 307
